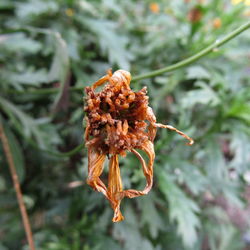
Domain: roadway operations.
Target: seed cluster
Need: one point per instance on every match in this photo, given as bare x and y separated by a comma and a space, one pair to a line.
117, 116
119, 120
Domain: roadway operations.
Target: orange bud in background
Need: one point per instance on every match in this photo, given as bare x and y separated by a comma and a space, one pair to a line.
154, 7
217, 23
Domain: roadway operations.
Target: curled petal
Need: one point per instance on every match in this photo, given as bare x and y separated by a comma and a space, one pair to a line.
148, 147
159, 125
102, 80
121, 76
95, 169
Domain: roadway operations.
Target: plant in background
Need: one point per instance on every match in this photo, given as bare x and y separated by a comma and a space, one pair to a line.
51, 49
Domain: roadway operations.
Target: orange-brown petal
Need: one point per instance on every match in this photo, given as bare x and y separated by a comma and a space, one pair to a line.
95, 169
115, 194
148, 147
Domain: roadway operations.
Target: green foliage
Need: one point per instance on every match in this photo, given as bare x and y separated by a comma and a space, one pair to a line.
51, 49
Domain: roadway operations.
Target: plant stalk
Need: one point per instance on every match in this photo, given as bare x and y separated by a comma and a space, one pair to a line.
183, 63
19, 195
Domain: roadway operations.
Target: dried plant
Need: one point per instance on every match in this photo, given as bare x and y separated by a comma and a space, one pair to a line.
119, 120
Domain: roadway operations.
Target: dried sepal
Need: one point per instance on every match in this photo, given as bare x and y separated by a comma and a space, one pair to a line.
119, 120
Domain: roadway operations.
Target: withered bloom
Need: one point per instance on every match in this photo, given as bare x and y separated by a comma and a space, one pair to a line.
119, 120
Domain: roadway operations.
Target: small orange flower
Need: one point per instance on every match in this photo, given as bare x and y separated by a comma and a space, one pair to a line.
119, 120
154, 7
217, 23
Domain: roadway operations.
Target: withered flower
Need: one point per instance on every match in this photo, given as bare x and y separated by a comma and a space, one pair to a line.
119, 120
195, 15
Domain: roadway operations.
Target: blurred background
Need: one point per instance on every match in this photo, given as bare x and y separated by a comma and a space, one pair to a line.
51, 49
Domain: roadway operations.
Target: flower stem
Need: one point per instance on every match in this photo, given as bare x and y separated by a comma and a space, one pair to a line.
154, 73
197, 56
185, 62
19, 195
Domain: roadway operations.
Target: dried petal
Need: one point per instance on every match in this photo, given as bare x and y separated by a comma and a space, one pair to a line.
148, 147
95, 169
115, 193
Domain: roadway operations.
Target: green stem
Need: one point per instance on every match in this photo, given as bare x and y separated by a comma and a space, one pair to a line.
154, 73
185, 62
197, 56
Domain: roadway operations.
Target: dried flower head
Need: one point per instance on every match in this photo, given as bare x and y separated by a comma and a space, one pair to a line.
195, 15
119, 120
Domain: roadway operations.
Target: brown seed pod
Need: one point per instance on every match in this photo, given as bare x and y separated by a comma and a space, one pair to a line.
119, 120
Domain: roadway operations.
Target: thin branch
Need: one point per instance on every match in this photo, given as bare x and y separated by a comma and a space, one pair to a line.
19, 195
185, 62
173, 67
197, 56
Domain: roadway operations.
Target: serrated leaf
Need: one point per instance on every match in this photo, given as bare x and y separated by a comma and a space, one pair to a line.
197, 72
181, 209
110, 41
240, 106
35, 8
25, 124
59, 69
30, 77
18, 42
203, 95
188, 173
129, 232
240, 146
150, 216
215, 162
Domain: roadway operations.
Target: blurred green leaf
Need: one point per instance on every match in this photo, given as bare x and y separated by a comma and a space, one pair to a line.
47, 48
36, 7
110, 42
151, 217
19, 43
30, 77
197, 72
203, 95
181, 209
